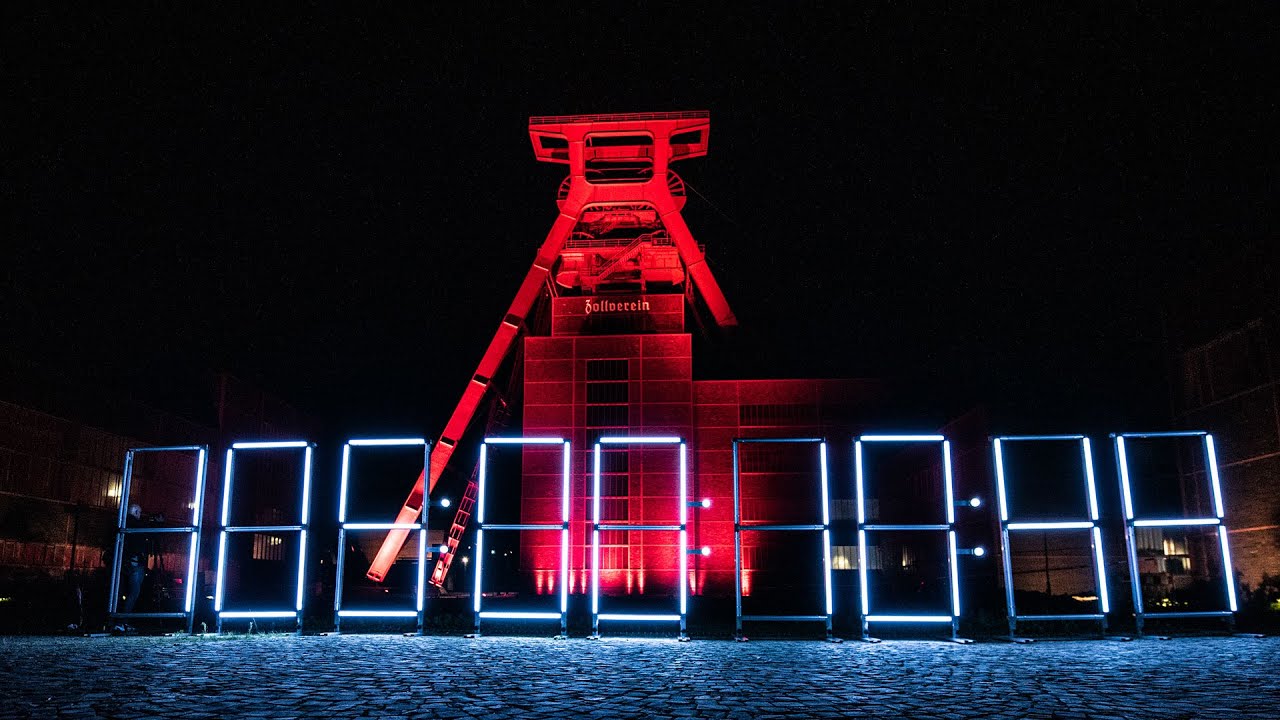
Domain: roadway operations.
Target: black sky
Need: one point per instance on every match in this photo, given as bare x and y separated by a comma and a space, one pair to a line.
1010, 207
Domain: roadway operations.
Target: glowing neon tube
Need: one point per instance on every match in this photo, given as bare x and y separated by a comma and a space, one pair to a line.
1102, 570
377, 613
902, 438
909, 618
1064, 525
1087, 450
520, 615
1000, 491
191, 571
1177, 522
1124, 478
382, 526
1212, 456
1230, 571
259, 614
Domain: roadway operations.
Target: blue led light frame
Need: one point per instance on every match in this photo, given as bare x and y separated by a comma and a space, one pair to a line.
308, 449
122, 529
682, 528
948, 527
739, 527
562, 526
1218, 520
418, 612
1090, 523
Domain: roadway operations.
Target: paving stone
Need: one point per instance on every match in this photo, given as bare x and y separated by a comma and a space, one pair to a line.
268, 676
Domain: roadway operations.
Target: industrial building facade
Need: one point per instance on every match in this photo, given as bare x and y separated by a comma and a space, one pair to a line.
584, 386
1232, 383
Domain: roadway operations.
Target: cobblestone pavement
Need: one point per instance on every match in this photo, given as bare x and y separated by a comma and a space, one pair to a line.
273, 676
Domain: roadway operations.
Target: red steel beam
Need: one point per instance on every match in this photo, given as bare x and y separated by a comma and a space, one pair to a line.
563, 139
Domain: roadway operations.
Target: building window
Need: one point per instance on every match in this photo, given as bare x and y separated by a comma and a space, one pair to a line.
268, 547
777, 415
606, 393
598, 370
607, 416
608, 409
845, 557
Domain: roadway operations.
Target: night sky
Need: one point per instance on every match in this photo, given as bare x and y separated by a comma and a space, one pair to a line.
1011, 209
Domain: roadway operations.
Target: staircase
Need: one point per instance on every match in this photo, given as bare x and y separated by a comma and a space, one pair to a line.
627, 253
460, 519
499, 417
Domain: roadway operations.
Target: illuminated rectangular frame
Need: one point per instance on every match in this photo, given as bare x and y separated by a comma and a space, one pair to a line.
948, 527
1090, 524
682, 527
122, 529
308, 449
1130, 522
562, 526
738, 527
343, 526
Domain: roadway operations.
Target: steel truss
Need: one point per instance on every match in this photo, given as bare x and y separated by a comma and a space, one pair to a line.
418, 612
308, 449
1140, 613
739, 527
122, 530
681, 527
562, 527
948, 527
1067, 524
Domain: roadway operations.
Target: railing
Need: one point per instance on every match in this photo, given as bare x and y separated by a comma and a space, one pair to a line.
618, 117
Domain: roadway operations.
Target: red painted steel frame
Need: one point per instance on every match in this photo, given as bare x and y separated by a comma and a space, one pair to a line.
690, 127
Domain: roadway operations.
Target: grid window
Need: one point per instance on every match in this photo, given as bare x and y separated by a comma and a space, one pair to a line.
774, 415
604, 393
607, 415
606, 370
268, 547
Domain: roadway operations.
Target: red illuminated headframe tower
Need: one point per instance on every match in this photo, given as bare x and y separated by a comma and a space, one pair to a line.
619, 248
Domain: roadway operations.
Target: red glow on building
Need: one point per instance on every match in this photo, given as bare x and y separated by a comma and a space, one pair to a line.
604, 312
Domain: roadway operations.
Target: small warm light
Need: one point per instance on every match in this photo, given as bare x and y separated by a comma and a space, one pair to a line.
466, 560
113, 490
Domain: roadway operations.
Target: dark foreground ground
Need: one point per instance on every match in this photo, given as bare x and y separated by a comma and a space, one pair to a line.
280, 676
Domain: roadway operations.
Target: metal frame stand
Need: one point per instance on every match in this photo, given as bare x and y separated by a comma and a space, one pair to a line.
122, 529
1131, 522
739, 527
343, 526
562, 526
952, 620
682, 527
1090, 524
308, 449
